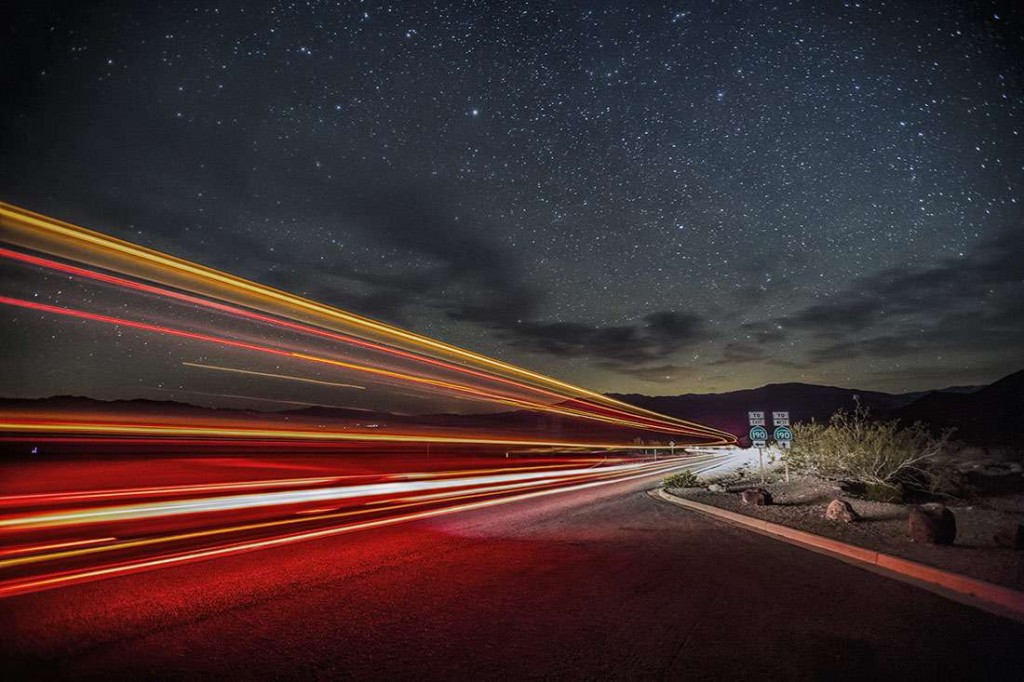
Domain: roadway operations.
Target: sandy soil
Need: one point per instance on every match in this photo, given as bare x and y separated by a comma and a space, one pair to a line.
801, 504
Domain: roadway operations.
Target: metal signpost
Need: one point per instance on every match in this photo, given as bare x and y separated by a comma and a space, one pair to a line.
783, 436
758, 436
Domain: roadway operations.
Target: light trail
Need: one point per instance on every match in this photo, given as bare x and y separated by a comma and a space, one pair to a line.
153, 526
59, 498
23, 585
272, 375
39, 232
29, 549
272, 499
247, 314
47, 426
388, 374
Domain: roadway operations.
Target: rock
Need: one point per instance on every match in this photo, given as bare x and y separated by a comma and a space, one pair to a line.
853, 487
1011, 538
716, 488
933, 524
758, 497
840, 510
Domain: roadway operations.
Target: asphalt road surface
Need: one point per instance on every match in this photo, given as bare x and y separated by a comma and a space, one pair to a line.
596, 584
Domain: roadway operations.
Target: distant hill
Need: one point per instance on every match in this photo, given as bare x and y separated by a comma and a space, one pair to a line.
981, 414
728, 411
993, 414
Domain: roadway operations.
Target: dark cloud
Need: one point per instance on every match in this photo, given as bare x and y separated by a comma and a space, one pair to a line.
658, 336
737, 352
656, 374
844, 315
972, 303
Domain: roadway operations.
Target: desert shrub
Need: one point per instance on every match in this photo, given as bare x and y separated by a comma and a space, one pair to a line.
682, 479
852, 445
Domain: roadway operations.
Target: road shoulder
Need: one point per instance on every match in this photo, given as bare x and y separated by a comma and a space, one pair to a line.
995, 599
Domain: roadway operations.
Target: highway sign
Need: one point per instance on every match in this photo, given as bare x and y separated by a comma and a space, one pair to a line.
783, 433
758, 435
780, 422
785, 445
780, 415
755, 415
757, 422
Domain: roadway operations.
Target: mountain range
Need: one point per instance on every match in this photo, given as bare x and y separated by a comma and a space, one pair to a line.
991, 414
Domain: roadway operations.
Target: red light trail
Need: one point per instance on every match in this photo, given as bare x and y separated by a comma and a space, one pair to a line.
288, 518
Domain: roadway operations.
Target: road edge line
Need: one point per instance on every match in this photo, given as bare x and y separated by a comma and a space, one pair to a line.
995, 599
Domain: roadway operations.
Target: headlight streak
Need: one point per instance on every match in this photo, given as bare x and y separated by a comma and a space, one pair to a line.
379, 506
23, 585
60, 498
269, 499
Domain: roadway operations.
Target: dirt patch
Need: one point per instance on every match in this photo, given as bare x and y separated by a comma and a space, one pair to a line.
801, 504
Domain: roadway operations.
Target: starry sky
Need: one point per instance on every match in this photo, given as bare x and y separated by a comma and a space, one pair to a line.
662, 197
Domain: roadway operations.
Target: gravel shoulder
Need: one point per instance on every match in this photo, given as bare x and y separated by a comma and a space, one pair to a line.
801, 504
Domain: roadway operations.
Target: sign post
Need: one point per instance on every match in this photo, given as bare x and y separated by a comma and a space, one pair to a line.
758, 436
783, 436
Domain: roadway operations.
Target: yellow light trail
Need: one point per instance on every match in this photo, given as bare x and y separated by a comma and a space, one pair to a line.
274, 376
399, 376
36, 231
111, 428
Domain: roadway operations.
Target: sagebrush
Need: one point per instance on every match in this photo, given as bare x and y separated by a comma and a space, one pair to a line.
852, 445
683, 479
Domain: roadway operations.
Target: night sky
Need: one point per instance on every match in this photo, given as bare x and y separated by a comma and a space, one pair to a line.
637, 197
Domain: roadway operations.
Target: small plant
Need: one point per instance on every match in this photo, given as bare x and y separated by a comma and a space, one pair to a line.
683, 479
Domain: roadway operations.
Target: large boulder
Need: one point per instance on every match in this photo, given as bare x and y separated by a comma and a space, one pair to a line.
932, 524
759, 497
840, 510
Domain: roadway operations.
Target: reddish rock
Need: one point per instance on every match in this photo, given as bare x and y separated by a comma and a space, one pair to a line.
840, 510
933, 524
758, 497
1011, 538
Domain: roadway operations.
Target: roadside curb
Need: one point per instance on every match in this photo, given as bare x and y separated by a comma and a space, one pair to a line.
996, 599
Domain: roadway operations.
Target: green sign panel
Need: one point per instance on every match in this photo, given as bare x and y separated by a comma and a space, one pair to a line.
783, 433
758, 433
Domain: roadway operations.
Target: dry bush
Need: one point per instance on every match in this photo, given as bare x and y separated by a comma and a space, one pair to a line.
852, 445
683, 479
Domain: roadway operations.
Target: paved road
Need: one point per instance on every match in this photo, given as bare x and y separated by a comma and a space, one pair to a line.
604, 583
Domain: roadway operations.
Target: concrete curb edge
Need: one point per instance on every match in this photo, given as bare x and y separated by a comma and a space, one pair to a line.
1002, 601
